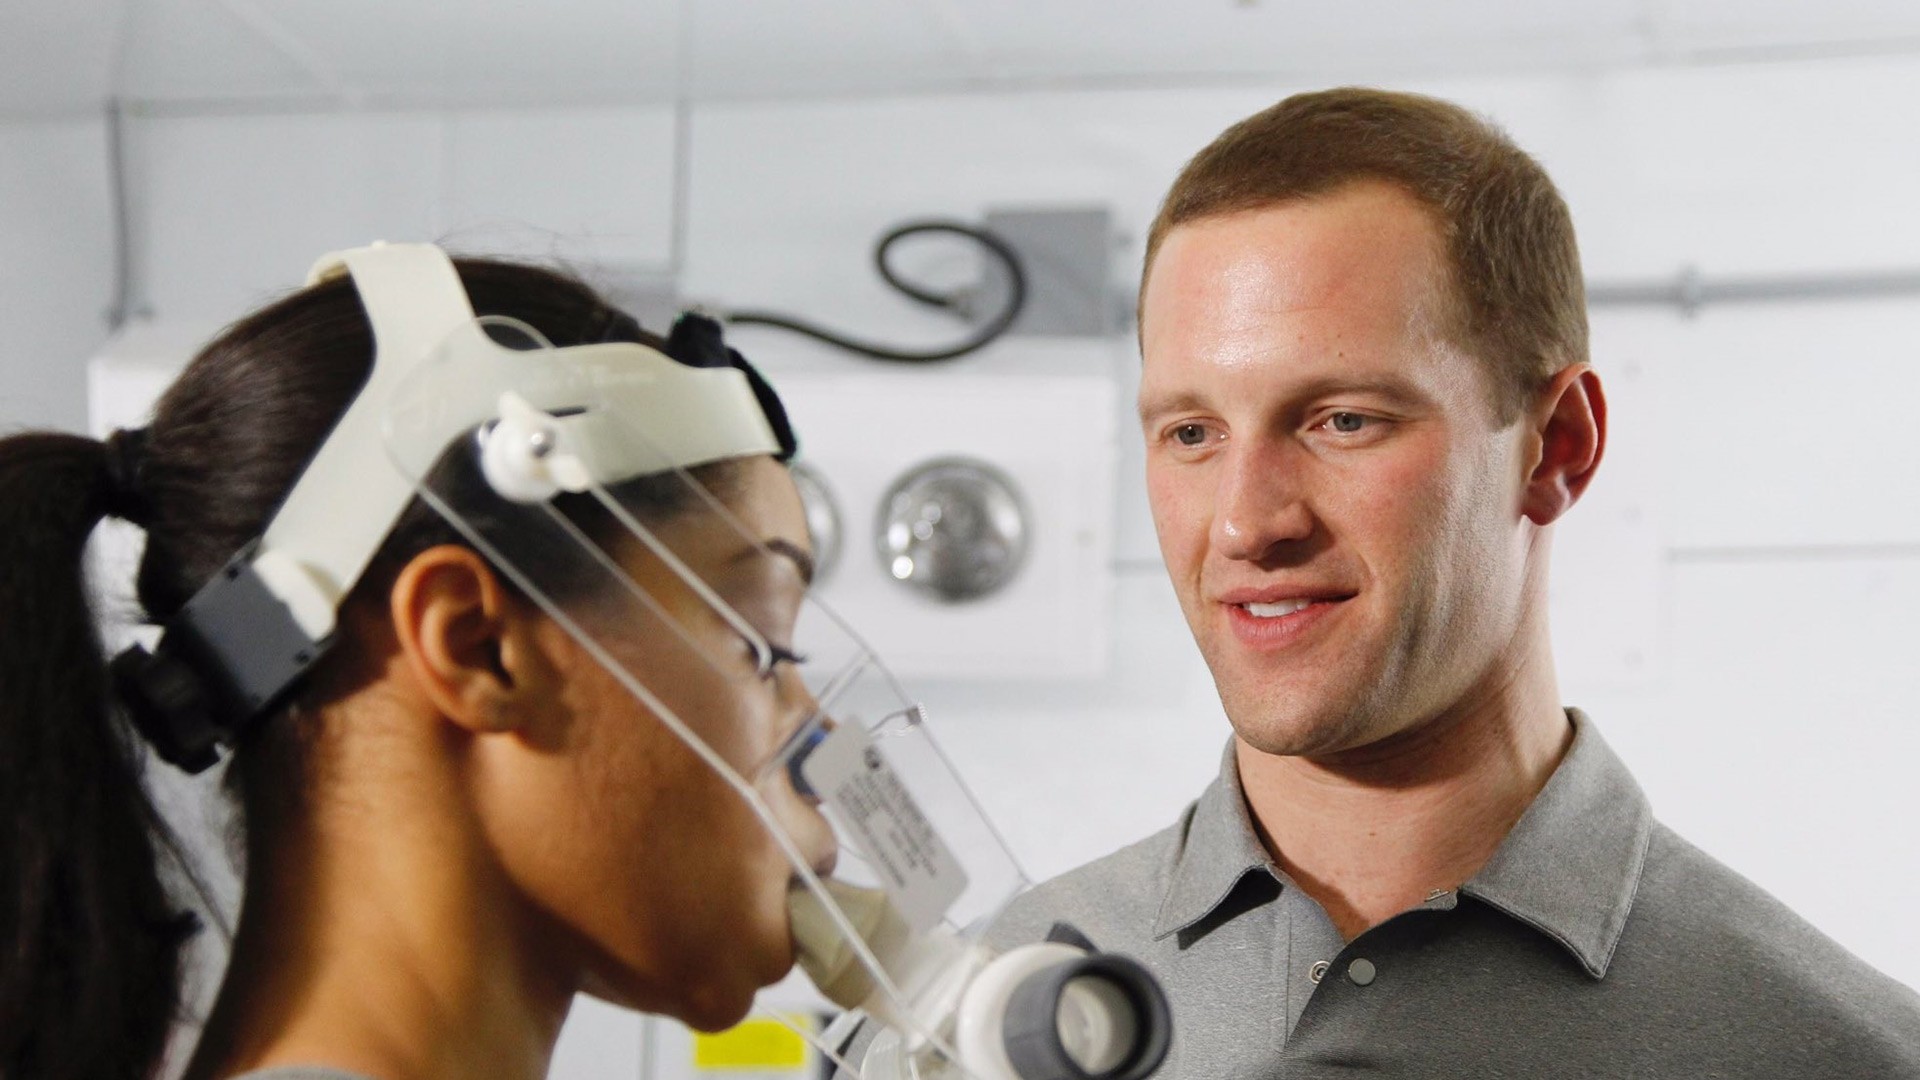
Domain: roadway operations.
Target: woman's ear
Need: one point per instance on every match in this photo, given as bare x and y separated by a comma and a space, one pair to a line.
1570, 421
468, 644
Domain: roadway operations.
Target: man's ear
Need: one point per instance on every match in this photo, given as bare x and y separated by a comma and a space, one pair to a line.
1569, 421
467, 643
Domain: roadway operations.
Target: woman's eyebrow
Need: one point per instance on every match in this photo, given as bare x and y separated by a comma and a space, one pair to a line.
802, 561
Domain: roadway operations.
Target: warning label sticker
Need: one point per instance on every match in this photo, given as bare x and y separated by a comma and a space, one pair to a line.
917, 869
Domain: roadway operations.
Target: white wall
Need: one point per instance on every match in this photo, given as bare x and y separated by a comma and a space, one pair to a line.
1757, 527
231, 210
56, 268
1764, 449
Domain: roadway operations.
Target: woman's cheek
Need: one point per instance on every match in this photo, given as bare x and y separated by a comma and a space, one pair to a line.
788, 808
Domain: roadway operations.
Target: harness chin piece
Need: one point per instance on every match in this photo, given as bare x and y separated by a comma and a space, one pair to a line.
237, 649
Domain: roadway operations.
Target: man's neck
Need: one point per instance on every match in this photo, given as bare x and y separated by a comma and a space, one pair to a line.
1374, 832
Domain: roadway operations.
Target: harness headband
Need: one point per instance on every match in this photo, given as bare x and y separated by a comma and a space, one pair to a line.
240, 644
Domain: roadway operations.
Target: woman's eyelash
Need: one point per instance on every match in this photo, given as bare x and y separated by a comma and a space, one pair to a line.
777, 655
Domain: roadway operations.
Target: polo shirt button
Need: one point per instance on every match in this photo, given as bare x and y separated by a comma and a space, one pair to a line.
1318, 971
1361, 972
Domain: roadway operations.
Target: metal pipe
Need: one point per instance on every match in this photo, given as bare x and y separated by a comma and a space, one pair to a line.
120, 307
1690, 291
683, 89
1821, 552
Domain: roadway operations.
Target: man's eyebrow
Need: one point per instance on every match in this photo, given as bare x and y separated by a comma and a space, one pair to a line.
1171, 401
1395, 390
801, 559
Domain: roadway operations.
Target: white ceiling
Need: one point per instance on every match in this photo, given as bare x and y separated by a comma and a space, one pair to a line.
64, 56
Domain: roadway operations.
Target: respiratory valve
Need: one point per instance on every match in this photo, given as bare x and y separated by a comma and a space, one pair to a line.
1055, 1010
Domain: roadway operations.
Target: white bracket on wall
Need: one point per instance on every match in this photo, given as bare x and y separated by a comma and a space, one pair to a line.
1051, 432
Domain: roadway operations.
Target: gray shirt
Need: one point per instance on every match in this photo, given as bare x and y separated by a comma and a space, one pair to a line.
1595, 943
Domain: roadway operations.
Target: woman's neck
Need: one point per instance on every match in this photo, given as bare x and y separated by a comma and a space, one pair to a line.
374, 939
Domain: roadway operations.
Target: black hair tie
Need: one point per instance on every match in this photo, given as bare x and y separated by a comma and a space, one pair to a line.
126, 480
696, 341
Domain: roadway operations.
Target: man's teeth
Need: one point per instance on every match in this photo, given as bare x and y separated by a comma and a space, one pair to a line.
1274, 611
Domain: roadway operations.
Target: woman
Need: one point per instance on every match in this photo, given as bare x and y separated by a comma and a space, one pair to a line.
460, 819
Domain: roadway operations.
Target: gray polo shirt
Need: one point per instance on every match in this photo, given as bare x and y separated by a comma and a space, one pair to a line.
1595, 943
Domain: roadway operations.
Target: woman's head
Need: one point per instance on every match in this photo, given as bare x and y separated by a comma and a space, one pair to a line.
652, 868
581, 777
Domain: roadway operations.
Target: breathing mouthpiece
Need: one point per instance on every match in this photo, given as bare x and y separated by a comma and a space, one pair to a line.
823, 951
915, 962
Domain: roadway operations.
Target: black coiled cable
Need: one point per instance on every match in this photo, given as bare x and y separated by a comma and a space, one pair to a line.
1001, 321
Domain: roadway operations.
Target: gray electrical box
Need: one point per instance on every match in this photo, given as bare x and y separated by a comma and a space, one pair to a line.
1067, 254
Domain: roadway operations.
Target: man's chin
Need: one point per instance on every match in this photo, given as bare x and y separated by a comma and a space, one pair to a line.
1295, 733
1300, 745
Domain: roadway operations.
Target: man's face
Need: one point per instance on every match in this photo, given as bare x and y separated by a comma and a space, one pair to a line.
1336, 503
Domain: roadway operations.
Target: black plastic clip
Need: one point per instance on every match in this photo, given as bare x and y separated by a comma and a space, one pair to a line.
168, 705
232, 653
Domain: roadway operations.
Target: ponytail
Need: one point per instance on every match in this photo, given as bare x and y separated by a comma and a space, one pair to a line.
90, 945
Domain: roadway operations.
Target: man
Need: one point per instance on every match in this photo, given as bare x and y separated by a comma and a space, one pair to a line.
1366, 400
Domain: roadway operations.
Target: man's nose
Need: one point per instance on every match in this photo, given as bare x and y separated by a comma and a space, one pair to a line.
1262, 503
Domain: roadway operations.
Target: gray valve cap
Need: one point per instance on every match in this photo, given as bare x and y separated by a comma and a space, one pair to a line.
1032, 1029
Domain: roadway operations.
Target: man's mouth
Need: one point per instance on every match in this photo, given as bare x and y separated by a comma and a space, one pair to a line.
1276, 610
1279, 601
1268, 620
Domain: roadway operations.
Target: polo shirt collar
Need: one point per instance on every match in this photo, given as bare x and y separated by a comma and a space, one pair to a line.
1569, 868
1572, 864
1220, 848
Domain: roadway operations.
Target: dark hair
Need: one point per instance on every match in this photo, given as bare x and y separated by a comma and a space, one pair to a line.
89, 975
1517, 297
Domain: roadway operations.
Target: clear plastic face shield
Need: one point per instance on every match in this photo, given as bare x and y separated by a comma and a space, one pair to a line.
835, 830
564, 473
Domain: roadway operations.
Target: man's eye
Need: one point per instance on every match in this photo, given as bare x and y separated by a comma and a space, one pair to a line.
1190, 435
1346, 423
